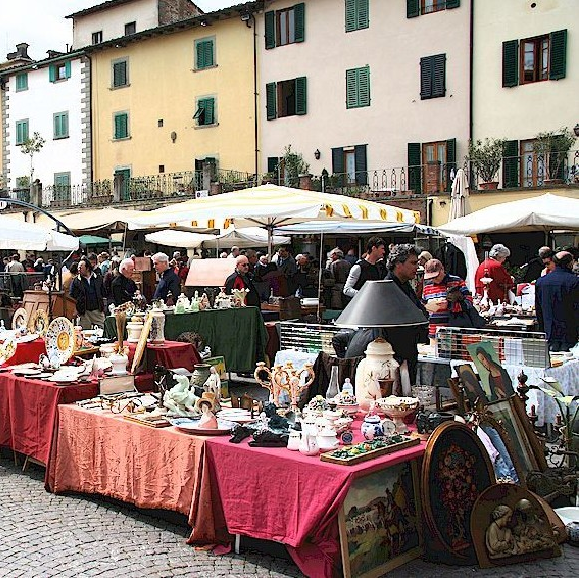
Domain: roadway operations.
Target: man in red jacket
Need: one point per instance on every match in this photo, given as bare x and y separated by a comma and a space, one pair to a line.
493, 268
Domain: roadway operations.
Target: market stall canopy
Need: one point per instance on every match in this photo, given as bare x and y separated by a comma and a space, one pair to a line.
94, 240
269, 206
543, 213
33, 237
353, 228
94, 219
247, 237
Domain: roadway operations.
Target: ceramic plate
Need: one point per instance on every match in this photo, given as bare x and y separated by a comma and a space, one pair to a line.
20, 318
223, 427
38, 322
63, 379
27, 372
60, 339
7, 350
236, 417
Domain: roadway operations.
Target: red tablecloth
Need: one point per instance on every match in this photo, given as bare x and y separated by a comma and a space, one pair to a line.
28, 352
276, 494
172, 354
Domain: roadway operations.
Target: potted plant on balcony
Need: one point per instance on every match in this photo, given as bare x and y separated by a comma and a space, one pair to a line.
552, 147
485, 158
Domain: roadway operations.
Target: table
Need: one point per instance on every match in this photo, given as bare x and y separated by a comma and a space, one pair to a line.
28, 352
237, 333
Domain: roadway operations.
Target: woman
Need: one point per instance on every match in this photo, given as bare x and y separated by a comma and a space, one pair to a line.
499, 380
494, 269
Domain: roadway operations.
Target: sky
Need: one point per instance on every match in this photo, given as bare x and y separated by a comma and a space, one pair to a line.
42, 23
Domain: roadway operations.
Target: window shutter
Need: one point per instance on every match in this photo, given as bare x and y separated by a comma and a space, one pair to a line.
64, 124
452, 4
301, 95
351, 92
350, 15
338, 164
300, 22
510, 63
438, 75
557, 55
412, 8
363, 14
511, 164
121, 126
450, 161
67, 69
120, 73
272, 164
209, 107
271, 100
360, 164
270, 29
52, 73
56, 128
364, 86
414, 168
426, 66
205, 54
209, 53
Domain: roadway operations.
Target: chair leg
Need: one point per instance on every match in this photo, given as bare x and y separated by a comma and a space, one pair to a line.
25, 466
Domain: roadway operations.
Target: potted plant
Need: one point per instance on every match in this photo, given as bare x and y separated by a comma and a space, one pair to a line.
552, 147
485, 158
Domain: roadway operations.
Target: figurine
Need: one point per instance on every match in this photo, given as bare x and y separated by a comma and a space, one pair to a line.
213, 385
499, 538
208, 419
180, 400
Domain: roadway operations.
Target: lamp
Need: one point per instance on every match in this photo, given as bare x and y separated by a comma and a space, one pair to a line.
576, 129
245, 16
173, 136
317, 154
380, 304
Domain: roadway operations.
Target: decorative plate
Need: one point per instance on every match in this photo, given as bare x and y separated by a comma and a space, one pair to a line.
7, 350
20, 318
60, 339
191, 426
38, 322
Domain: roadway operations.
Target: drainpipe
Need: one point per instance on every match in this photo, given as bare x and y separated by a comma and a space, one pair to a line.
471, 72
90, 135
255, 107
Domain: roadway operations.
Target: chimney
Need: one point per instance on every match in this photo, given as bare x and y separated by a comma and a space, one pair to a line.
20, 54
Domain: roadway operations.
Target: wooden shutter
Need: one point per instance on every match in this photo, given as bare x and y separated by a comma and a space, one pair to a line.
426, 67
121, 126
557, 55
120, 73
56, 128
350, 15
414, 167
360, 164
204, 54
338, 166
351, 92
208, 105
52, 73
271, 108
510, 63
270, 29
452, 4
364, 86
450, 161
511, 164
438, 75
64, 123
67, 69
301, 95
363, 14
300, 22
412, 8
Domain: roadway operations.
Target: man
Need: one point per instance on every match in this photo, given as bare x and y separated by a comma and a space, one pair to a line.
557, 303
365, 269
252, 258
168, 279
240, 279
87, 289
339, 268
234, 252
539, 265
493, 268
94, 263
18, 279
284, 262
305, 281
123, 287
104, 262
351, 256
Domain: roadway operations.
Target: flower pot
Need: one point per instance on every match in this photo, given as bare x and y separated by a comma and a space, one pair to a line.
216, 189
551, 182
305, 182
490, 186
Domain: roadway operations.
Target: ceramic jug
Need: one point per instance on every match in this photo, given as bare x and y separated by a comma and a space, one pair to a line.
201, 372
309, 444
327, 440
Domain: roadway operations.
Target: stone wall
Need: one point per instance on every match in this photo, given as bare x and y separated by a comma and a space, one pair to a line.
174, 10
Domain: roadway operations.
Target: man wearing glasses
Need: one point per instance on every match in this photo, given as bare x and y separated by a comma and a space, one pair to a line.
240, 279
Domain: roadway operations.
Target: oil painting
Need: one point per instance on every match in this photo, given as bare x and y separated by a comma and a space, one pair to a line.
495, 380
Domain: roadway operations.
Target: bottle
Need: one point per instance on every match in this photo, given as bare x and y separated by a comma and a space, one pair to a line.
333, 390
348, 387
271, 299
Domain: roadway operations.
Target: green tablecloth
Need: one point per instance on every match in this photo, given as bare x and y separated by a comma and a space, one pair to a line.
237, 333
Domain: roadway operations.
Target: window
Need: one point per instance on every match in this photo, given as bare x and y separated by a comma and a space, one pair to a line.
358, 87
285, 26
21, 131
161, 168
160, 123
418, 7
120, 71
60, 124
130, 28
430, 166
121, 128
535, 59
286, 98
97, 37
22, 81
204, 53
62, 186
349, 164
59, 71
433, 76
357, 15
205, 113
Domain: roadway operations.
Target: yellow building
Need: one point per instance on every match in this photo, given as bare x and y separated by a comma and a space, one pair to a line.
175, 98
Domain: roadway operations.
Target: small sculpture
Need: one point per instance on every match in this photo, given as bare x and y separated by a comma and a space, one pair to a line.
284, 379
499, 538
208, 419
180, 400
213, 385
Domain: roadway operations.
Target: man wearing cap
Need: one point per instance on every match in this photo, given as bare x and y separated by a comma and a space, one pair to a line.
557, 303
437, 283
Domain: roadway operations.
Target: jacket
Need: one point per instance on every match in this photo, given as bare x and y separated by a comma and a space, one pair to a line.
89, 297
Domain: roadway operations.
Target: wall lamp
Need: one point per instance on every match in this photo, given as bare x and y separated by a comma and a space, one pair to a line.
576, 129
317, 154
245, 17
173, 136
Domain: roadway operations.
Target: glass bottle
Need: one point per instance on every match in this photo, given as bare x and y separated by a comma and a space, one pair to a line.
333, 390
271, 299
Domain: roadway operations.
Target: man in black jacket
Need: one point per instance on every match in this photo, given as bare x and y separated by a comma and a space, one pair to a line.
168, 279
240, 279
123, 287
369, 268
87, 289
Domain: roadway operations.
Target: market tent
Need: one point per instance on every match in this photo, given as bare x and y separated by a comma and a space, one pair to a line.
543, 213
247, 237
353, 228
94, 219
33, 237
94, 240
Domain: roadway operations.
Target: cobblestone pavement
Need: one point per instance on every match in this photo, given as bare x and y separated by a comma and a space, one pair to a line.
44, 535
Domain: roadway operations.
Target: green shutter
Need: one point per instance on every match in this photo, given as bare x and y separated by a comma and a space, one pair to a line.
204, 53
350, 15
414, 167
338, 164
511, 164
209, 107
364, 86
450, 161
363, 14
67, 69
438, 75
510, 63
22, 81
271, 100
272, 164
412, 8
270, 29
121, 126
56, 127
351, 85
64, 124
452, 4
300, 22
357, 15
301, 95
360, 164
52, 73
358, 87
557, 55
120, 73
426, 74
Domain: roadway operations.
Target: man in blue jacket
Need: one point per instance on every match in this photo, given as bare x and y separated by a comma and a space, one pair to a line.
557, 303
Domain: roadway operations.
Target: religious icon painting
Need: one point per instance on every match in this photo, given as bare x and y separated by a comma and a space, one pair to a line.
495, 380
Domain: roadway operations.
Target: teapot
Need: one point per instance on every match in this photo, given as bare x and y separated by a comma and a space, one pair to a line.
309, 444
327, 439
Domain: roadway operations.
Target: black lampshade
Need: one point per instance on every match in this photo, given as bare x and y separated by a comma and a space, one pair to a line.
380, 304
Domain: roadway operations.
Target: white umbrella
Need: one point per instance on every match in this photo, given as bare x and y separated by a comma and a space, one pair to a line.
32, 237
458, 196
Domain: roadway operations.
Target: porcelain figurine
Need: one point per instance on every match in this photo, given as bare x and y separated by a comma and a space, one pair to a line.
239, 296
222, 301
208, 419
180, 400
119, 362
204, 302
182, 304
194, 308
213, 385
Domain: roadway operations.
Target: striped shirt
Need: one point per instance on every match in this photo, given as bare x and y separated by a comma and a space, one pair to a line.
438, 290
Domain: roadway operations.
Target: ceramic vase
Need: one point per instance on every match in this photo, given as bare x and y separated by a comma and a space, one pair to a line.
157, 332
201, 373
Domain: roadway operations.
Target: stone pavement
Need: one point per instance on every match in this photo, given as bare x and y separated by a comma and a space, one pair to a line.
44, 535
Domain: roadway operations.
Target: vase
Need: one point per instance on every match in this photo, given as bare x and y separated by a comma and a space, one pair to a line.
201, 373
157, 331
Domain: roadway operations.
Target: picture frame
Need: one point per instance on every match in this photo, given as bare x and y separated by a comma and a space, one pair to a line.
473, 390
495, 380
455, 471
380, 521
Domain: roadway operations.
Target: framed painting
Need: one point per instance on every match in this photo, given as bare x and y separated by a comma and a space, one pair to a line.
455, 471
471, 385
380, 522
495, 380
